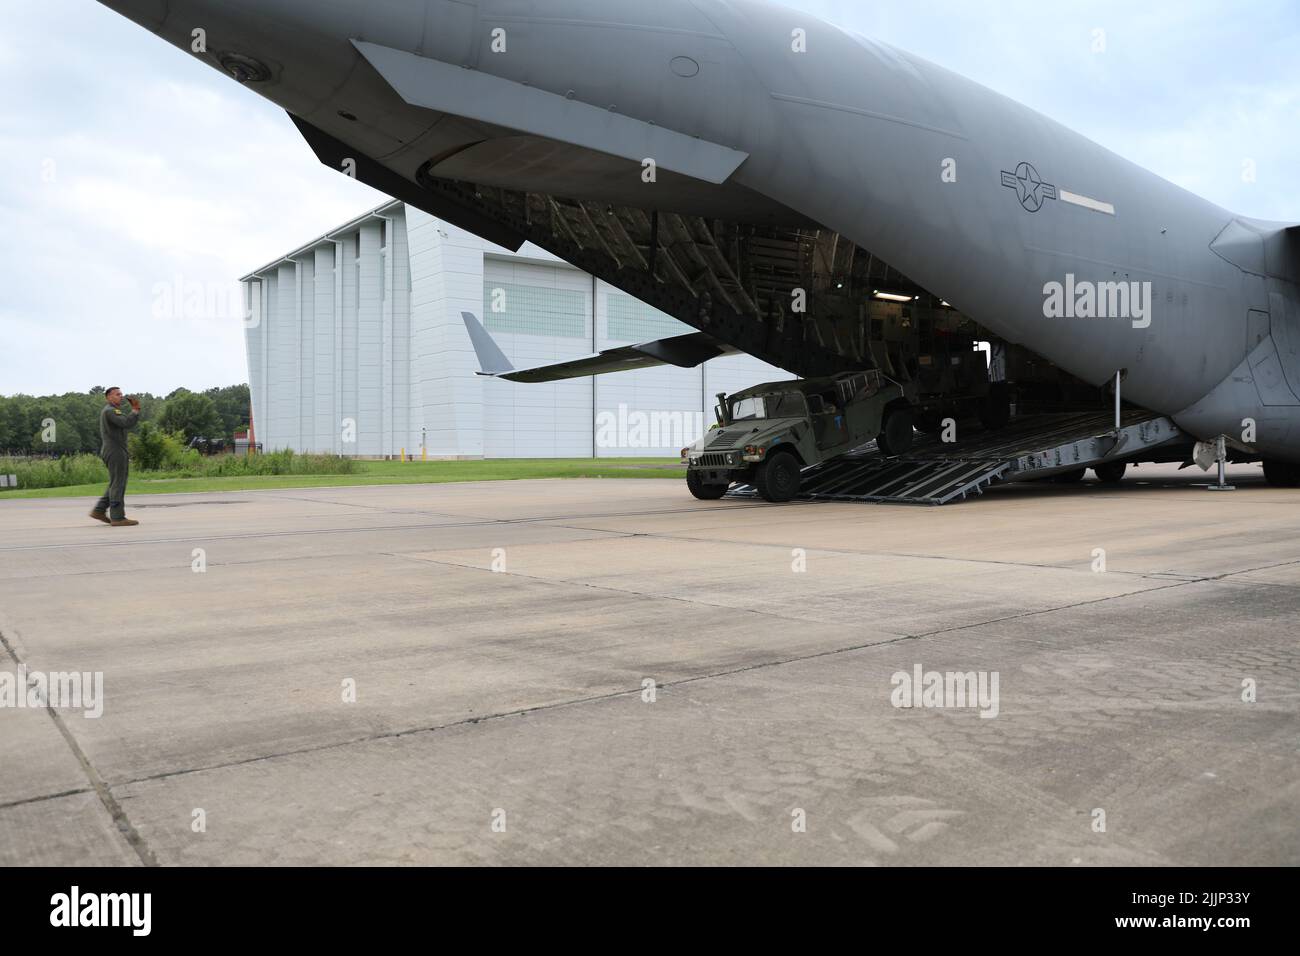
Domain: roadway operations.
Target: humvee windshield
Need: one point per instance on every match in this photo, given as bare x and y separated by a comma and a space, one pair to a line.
775, 405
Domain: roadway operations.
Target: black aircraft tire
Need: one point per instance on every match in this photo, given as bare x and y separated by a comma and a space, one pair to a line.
896, 433
995, 410
1110, 473
1282, 474
777, 479
702, 491
1071, 477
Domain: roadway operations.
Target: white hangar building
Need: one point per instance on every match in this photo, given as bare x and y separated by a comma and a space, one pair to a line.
356, 346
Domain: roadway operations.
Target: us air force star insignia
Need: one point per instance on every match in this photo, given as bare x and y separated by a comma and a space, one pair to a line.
1029, 186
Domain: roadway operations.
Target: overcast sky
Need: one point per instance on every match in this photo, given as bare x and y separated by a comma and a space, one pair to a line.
127, 165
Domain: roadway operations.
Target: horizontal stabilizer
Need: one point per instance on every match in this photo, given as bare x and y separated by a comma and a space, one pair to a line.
683, 351
478, 95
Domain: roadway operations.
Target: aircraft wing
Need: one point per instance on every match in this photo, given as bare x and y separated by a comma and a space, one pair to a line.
478, 95
683, 351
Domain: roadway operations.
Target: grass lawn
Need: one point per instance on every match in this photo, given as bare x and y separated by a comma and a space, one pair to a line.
389, 473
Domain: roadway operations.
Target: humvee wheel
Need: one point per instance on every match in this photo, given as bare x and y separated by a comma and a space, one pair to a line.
896, 434
1281, 474
930, 422
777, 479
1110, 473
702, 491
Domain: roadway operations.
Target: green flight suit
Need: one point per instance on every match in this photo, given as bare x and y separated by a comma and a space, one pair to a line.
114, 423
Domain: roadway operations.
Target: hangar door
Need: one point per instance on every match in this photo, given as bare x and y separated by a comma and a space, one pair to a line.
538, 314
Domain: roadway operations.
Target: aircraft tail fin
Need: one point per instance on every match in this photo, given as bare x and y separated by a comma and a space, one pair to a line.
491, 359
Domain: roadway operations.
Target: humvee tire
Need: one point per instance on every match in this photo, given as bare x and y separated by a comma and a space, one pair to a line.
1110, 473
1282, 474
702, 491
777, 479
931, 422
896, 433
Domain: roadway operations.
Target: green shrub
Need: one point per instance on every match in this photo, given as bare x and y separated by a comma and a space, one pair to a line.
155, 455
284, 462
148, 446
153, 449
52, 473
176, 457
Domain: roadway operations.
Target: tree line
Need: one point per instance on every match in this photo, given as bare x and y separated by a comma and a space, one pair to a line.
68, 424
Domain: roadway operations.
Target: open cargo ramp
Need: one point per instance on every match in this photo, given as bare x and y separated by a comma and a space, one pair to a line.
935, 473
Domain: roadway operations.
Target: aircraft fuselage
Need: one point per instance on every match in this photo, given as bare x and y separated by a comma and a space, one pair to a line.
746, 109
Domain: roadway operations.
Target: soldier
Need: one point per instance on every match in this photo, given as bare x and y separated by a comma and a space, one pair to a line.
113, 426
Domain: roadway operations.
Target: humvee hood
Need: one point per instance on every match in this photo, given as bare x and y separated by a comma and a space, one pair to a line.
737, 436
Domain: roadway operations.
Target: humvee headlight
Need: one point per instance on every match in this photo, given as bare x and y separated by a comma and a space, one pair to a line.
753, 453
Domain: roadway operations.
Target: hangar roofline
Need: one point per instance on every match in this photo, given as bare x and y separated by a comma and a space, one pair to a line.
376, 213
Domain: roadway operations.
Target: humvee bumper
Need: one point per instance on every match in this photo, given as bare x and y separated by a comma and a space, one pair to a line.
718, 476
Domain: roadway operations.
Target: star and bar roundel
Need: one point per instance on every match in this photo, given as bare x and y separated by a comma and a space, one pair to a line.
1029, 186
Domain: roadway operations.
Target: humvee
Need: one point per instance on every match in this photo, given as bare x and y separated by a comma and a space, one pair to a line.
767, 435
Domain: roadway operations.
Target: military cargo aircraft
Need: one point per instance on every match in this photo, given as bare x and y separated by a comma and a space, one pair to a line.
795, 191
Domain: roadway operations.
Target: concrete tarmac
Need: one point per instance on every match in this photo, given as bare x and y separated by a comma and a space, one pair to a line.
610, 672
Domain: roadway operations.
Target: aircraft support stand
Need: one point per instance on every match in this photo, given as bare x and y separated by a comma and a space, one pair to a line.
1223, 467
1119, 378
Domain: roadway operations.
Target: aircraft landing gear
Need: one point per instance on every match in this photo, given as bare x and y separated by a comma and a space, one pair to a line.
995, 410
1070, 477
1110, 473
1282, 474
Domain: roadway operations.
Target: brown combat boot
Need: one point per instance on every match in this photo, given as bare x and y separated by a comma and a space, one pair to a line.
100, 516
123, 523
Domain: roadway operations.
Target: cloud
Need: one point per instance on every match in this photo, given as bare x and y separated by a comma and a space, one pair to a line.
127, 168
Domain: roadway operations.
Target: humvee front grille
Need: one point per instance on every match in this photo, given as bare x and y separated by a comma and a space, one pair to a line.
714, 461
